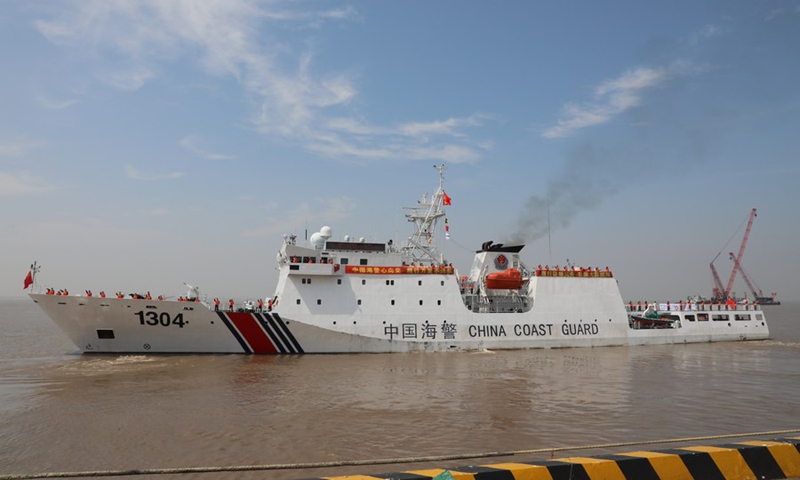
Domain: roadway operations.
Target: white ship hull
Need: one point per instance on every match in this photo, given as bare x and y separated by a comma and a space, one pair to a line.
354, 297
566, 315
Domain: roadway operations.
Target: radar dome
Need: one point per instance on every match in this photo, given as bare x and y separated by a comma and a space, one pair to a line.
326, 232
317, 240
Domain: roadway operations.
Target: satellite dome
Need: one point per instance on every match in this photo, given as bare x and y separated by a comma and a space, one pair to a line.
317, 240
326, 232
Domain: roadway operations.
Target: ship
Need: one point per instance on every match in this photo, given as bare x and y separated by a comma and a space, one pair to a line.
352, 296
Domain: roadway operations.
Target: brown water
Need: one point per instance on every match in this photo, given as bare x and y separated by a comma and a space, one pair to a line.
63, 411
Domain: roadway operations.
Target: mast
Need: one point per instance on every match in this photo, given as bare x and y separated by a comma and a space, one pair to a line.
425, 215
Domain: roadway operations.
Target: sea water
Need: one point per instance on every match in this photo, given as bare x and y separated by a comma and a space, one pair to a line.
61, 410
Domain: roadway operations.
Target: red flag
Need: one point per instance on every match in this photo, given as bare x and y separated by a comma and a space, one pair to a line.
446, 200
730, 303
28, 281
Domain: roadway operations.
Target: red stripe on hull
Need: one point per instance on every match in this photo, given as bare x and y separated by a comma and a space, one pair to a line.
252, 332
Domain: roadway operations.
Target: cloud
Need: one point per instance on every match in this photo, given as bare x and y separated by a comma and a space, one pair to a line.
134, 174
17, 148
132, 43
55, 104
190, 142
22, 183
313, 19
407, 141
321, 211
705, 32
445, 127
614, 97
158, 212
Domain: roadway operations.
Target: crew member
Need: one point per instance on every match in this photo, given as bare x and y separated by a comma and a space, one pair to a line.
216, 304
230, 305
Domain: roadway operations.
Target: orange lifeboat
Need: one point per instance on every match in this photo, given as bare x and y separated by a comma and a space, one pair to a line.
510, 279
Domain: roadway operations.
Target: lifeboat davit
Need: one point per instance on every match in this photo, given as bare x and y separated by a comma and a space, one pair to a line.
510, 279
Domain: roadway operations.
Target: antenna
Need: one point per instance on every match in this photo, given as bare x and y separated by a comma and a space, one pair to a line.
549, 242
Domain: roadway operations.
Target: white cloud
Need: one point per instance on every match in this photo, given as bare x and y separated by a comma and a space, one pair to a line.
706, 31
240, 39
445, 127
22, 183
158, 212
135, 174
322, 211
55, 104
190, 142
17, 148
614, 97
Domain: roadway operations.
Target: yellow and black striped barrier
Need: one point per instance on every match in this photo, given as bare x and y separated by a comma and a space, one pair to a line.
751, 460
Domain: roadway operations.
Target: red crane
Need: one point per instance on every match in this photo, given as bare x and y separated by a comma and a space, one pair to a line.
758, 295
738, 259
718, 288
736, 264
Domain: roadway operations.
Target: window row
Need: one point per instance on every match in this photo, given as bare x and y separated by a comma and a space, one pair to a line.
358, 302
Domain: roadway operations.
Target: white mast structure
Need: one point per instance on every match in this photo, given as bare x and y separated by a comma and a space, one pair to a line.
421, 245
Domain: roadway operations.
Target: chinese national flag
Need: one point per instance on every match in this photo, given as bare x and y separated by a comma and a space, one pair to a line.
446, 200
28, 281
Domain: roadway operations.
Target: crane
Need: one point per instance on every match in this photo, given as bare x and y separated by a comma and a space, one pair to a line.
758, 295
721, 293
718, 288
737, 261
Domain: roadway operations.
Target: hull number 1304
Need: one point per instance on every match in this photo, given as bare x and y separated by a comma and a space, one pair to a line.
164, 319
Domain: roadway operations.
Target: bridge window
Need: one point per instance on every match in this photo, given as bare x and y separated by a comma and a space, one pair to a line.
344, 261
362, 261
720, 317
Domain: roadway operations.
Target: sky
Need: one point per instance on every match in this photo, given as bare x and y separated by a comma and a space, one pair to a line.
144, 144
